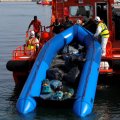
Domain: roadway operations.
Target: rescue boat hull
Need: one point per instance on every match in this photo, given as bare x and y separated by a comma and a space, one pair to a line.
20, 69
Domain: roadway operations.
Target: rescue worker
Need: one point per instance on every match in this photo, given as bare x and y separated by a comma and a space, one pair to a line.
102, 32
68, 23
32, 42
91, 25
36, 26
56, 26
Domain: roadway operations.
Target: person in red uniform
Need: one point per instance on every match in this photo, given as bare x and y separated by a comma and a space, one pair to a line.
36, 26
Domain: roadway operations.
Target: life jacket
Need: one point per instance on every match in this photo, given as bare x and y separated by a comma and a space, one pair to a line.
105, 32
32, 43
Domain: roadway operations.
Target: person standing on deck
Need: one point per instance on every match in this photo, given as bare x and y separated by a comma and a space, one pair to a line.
91, 25
56, 26
32, 42
68, 23
102, 32
36, 26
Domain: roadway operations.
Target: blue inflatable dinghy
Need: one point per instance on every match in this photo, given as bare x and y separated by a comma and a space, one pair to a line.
85, 95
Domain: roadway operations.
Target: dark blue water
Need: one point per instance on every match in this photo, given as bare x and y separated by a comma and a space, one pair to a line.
14, 20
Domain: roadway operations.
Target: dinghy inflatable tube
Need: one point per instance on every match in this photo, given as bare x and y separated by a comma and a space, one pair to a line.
83, 104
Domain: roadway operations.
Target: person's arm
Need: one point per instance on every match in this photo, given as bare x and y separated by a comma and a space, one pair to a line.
26, 41
98, 31
50, 26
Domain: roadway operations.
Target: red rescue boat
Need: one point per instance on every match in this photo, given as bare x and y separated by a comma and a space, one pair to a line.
108, 10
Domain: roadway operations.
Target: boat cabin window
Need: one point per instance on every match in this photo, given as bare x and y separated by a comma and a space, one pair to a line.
85, 11
116, 19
